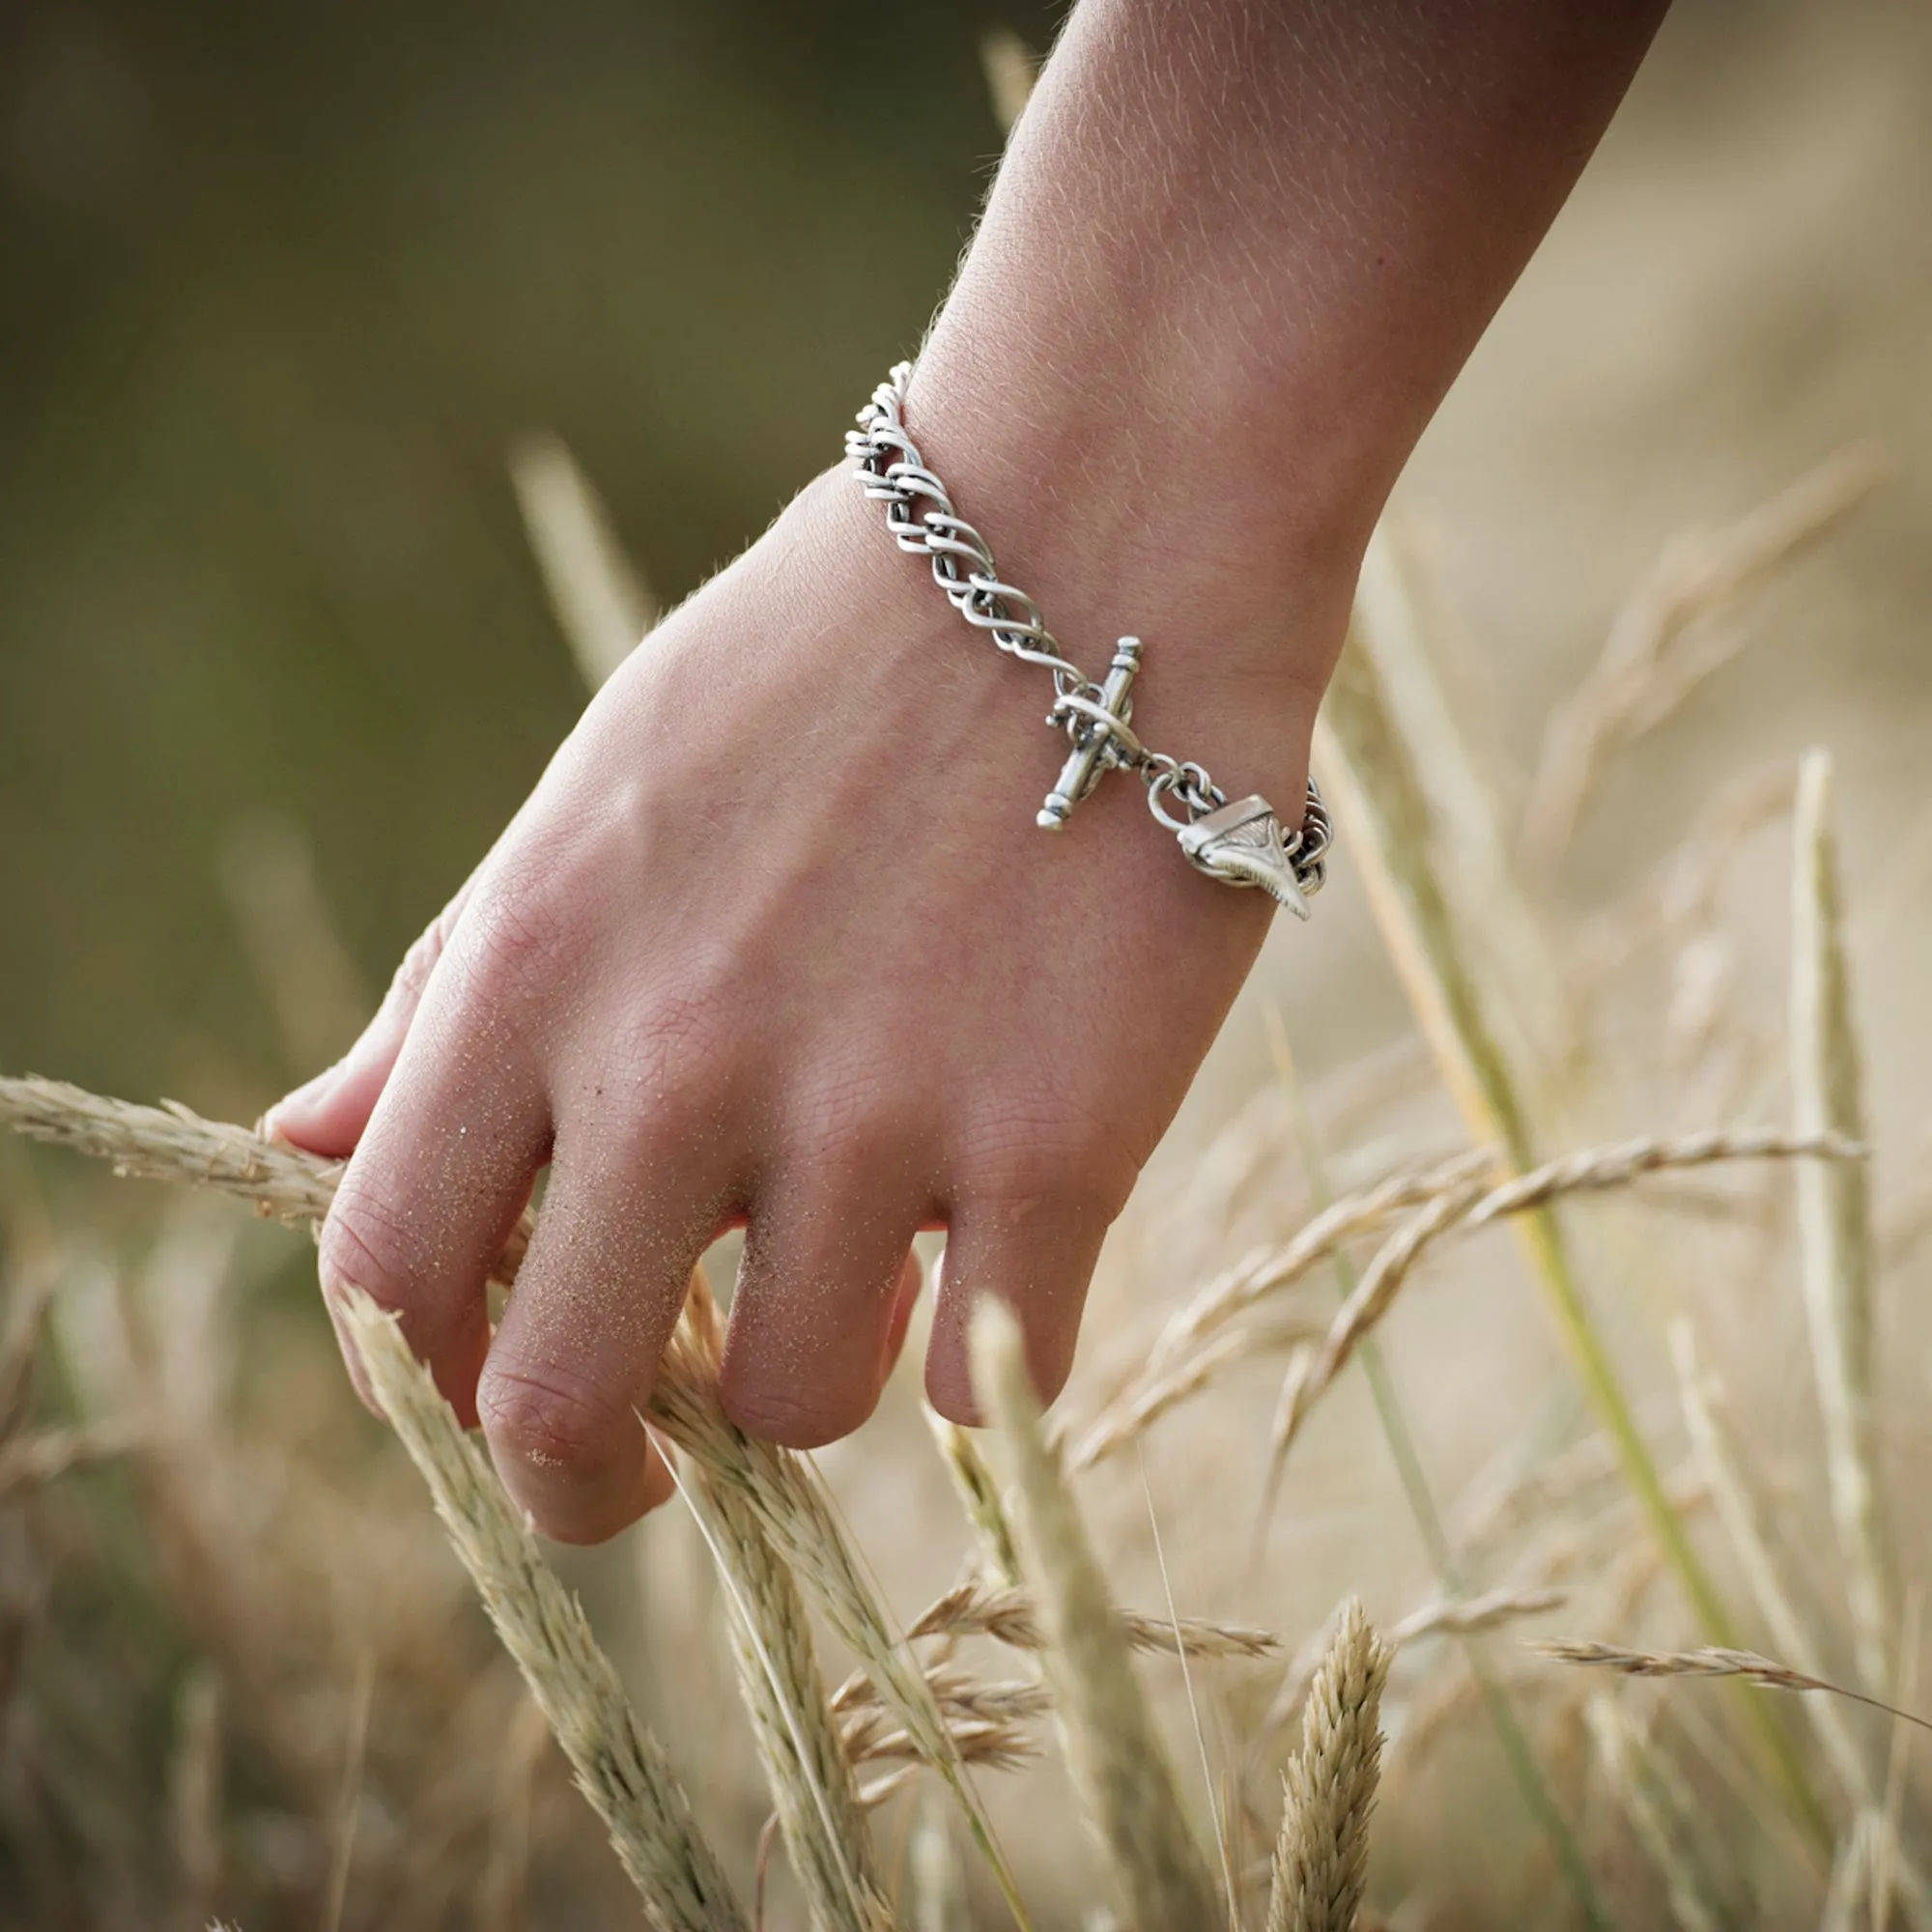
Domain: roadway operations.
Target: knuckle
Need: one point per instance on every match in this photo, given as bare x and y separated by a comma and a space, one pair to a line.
366, 1245
678, 1052
848, 1125
511, 943
1052, 1158
552, 1420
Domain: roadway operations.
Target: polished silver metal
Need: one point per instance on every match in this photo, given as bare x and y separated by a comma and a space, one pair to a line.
1099, 734
1243, 844
1239, 844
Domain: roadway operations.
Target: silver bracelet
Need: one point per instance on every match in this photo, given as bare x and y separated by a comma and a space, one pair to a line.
1240, 842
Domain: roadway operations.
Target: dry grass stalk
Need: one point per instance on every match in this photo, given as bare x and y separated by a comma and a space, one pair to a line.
1412, 1472
1472, 1616
1011, 1617
1379, 794
1314, 1367
1171, 1365
1714, 1660
1455, 1196
1595, 1169
1514, 942
171, 1143
794, 1511
1137, 1409
987, 1718
978, 1494
935, 1881
1321, 1861
1119, 1768
602, 604
1269, 1271
1891, 1868
1835, 1218
620, 1768
1371, 769
1527, 1483
1665, 641
1744, 1518
349, 1795
986, 1721
1745, 1521
195, 1483
30, 1297
1850, 1883
807, 1763
1469, 1208
1625, 1759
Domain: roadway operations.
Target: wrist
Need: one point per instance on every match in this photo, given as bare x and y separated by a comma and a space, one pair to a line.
1242, 685
1119, 515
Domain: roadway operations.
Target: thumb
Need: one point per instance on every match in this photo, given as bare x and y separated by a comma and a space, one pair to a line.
328, 1113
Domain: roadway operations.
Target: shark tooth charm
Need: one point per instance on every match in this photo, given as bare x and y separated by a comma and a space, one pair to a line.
1242, 844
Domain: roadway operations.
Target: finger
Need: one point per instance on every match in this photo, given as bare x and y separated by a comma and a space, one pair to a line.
811, 1335
626, 1216
1038, 1257
436, 1184
329, 1114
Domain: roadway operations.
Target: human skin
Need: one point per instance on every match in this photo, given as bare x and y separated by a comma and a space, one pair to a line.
776, 939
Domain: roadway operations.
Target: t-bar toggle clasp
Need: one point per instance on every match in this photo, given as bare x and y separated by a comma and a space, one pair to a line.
1095, 728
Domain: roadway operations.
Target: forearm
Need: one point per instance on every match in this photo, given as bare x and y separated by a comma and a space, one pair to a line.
1234, 258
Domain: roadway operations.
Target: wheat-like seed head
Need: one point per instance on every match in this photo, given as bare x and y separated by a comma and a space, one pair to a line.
1716, 1661
1709, 1661
619, 1765
1320, 1859
808, 1765
1455, 1196
1011, 1617
1835, 1220
780, 1490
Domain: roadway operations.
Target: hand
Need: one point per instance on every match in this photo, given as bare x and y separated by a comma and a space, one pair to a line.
777, 939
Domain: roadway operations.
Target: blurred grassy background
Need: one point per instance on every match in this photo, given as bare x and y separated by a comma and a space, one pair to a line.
284, 282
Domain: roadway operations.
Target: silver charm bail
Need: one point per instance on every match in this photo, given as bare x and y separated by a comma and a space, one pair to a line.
1242, 844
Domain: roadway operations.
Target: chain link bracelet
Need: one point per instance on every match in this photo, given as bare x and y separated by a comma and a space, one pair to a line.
1241, 843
